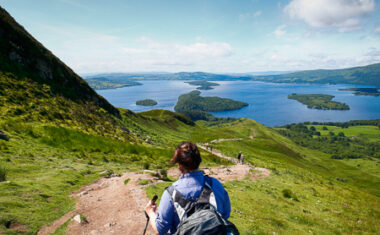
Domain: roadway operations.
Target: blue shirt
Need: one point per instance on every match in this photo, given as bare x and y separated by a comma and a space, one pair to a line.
190, 185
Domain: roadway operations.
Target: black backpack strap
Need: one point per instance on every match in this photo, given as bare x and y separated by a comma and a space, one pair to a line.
180, 202
184, 206
207, 195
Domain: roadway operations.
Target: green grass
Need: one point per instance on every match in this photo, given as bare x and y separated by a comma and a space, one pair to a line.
368, 133
45, 164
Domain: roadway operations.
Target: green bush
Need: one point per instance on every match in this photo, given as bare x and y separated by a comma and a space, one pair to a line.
3, 174
289, 194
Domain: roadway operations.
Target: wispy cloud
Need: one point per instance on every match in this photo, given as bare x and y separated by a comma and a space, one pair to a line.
280, 31
377, 30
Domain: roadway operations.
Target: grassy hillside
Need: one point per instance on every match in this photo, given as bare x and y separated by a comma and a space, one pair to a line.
308, 192
366, 75
29, 61
62, 135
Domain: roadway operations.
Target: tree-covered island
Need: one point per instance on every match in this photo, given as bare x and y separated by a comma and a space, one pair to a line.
319, 101
371, 91
193, 101
203, 85
102, 83
146, 102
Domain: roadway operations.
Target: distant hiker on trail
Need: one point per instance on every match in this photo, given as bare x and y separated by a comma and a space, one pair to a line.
196, 197
239, 155
242, 159
211, 148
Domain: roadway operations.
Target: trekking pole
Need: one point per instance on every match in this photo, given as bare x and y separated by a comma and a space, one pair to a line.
154, 199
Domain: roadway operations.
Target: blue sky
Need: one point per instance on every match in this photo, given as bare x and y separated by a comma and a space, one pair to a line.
219, 36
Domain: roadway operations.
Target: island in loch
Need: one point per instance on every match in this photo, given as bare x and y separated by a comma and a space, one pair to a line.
103, 83
197, 107
371, 91
146, 102
319, 101
203, 85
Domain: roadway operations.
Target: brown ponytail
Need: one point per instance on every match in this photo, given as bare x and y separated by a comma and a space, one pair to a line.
187, 154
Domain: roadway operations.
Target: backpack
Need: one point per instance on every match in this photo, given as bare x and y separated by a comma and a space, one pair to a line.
200, 216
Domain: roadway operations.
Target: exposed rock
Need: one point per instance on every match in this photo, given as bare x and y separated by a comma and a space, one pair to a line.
3, 136
80, 219
15, 57
83, 193
77, 218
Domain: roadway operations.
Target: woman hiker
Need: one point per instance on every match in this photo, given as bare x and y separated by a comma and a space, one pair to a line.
190, 186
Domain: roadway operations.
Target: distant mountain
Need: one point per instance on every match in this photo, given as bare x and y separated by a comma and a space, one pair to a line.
265, 73
366, 75
23, 57
173, 76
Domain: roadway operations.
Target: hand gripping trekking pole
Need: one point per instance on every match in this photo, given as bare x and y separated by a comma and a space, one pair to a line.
154, 199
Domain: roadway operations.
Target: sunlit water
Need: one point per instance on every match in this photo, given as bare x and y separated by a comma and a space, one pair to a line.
268, 102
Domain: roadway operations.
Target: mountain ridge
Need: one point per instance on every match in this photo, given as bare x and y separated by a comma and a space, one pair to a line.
365, 75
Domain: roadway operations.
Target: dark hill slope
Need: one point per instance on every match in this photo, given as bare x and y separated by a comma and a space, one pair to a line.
366, 75
24, 56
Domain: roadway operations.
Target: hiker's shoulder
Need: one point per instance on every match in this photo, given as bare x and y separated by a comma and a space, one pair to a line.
215, 182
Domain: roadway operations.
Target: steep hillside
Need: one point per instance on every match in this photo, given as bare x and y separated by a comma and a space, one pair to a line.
29, 61
366, 75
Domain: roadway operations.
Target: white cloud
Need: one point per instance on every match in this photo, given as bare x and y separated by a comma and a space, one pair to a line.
246, 16
377, 30
257, 13
214, 49
341, 14
280, 31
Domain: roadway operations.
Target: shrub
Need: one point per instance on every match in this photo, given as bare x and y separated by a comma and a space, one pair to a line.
146, 165
3, 174
164, 175
289, 194
337, 157
126, 181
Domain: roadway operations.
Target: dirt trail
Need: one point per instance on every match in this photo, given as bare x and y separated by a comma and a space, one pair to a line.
112, 207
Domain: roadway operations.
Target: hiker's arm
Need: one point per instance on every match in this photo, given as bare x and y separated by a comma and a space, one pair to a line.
166, 217
150, 209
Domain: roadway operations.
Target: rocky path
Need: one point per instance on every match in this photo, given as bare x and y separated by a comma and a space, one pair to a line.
110, 206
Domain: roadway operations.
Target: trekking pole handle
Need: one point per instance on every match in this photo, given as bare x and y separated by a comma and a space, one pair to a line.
154, 199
